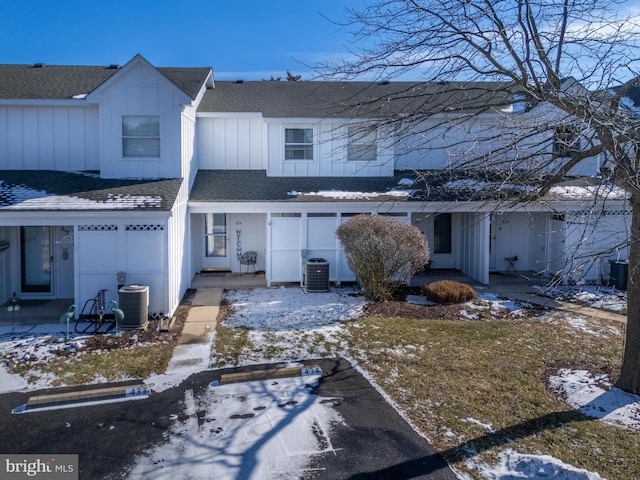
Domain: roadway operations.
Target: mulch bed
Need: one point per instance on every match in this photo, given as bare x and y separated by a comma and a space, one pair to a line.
402, 309
148, 335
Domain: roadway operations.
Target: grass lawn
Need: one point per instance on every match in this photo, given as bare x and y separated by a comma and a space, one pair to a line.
475, 388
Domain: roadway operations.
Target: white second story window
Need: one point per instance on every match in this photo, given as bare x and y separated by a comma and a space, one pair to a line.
298, 143
141, 136
362, 143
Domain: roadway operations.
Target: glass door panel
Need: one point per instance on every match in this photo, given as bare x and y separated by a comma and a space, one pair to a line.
216, 235
35, 259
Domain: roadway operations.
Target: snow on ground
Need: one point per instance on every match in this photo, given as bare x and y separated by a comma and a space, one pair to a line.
32, 344
253, 430
594, 396
187, 359
280, 320
514, 465
605, 298
237, 437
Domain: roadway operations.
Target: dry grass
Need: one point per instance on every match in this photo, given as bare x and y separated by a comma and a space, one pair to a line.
104, 366
446, 374
109, 358
442, 373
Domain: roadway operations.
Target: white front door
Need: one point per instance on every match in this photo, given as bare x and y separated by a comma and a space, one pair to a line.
216, 242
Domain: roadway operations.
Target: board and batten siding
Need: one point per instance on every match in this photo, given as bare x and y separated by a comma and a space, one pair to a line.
141, 90
188, 149
138, 248
178, 251
49, 137
473, 258
330, 153
592, 239
249, 142
230, 142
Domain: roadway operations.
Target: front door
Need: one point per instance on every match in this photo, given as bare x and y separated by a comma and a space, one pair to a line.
216, 242
35, 259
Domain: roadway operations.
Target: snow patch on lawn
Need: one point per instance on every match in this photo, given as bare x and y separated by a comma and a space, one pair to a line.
593, 396
32, 344
280, 322
514, 465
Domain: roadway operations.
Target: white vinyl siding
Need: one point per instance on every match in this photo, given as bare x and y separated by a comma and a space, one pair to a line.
49, 138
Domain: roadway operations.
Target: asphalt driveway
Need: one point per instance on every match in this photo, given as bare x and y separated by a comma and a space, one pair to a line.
373, 443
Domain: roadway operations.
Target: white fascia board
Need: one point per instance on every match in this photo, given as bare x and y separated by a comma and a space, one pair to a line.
351, 207
47, 102
22, 218
589, 204
229, 114
301, 120
208, 83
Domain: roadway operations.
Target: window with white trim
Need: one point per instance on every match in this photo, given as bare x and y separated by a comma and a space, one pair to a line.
141, 136
362, 143
298, 143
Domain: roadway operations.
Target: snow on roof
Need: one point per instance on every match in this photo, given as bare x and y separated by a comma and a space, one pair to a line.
608, 191
346, 195
26, 198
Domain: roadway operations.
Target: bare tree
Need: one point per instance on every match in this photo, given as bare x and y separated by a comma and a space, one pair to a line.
577, 56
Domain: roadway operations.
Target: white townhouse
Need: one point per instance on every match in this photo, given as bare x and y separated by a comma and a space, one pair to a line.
116, 175
96, 164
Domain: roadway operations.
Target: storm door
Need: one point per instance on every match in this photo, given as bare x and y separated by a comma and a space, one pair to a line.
35, 259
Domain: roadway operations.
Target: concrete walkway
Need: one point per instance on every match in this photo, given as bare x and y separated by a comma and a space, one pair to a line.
525, 293
202, 316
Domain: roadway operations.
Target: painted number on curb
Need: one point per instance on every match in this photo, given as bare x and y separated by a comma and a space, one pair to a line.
137, 392
311, 371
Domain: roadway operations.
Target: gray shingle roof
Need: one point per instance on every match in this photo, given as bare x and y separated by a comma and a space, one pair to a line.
256, 186
310, 99
64, 81
403, 186
48, 190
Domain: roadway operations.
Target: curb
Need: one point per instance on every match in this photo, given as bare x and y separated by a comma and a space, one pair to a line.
267, 374
84, 398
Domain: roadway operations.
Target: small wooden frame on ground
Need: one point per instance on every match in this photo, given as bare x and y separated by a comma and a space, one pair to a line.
267, 374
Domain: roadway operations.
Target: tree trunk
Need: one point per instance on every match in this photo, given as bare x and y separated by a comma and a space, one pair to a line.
629, 379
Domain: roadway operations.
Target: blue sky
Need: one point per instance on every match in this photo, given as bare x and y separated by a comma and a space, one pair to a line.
239, 39
248, 39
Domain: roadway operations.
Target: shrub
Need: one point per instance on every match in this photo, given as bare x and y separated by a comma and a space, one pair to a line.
382, 252
448, 291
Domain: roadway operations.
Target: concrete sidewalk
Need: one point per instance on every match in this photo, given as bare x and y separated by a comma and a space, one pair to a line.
202, 316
